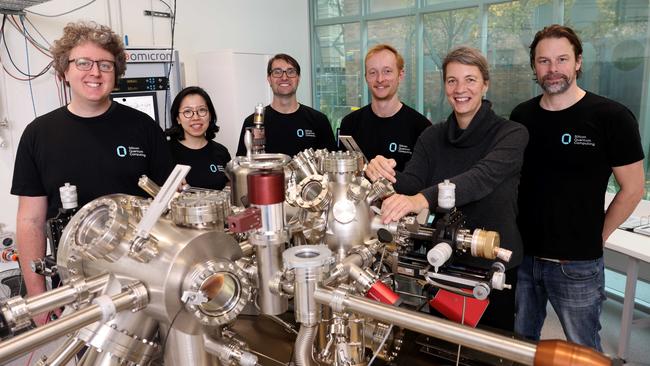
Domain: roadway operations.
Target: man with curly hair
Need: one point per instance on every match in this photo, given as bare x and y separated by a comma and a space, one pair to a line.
97, 145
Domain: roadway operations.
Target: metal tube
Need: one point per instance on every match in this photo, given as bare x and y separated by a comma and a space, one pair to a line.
247, 248
64, 295
26, 342
272, 217
512, 349
186, 349
304, 344
148, 186
268, 252
66, 352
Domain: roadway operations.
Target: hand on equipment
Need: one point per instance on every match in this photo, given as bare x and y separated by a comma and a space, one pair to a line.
396, 206
381, 167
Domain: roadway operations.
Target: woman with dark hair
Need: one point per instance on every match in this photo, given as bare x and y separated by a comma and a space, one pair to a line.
194, 125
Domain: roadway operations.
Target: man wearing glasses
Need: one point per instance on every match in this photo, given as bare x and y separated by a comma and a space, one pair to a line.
290, 127
99, 146
386, 126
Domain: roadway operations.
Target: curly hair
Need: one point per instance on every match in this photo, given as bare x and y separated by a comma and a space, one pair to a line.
75, 34
176, 130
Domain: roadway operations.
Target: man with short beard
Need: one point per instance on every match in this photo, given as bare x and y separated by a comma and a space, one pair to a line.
577, 139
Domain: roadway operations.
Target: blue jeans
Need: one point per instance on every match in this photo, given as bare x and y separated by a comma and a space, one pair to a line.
576, 290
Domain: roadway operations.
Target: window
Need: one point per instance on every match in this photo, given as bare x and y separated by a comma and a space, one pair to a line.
338, 71
337, 8
615, 36
511, 27
442, 32
399, 33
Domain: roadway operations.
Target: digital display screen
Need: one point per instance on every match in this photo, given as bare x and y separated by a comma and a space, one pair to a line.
144, 102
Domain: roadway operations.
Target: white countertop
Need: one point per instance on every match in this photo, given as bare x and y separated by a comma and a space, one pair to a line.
629, 243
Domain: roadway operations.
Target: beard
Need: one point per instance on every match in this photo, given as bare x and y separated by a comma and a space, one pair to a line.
558, 85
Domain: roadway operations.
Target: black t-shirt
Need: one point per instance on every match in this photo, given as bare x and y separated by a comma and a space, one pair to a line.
293, 132
393, 137
100, 155
208, 163
567, 165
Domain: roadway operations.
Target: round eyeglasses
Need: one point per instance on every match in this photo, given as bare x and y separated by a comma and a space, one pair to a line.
86, 64
189, 113
277, 73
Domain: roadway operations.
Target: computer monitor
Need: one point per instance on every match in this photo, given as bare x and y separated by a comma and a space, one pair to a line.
143, 101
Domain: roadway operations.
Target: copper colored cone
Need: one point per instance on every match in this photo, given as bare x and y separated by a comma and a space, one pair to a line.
561, 353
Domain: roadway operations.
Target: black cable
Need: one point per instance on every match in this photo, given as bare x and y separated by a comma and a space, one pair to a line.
4, 41
28, 75
31, 90
168, 7
31, 38
39, 33
58, 15
164, 344
171, 63
2, 27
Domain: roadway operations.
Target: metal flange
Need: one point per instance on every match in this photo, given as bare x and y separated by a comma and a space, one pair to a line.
98, 229
216, 291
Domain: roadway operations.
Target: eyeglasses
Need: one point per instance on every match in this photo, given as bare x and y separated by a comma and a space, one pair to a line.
189, 113
277, 73
86, 64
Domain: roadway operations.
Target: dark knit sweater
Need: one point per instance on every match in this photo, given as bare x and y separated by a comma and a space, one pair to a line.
483, 161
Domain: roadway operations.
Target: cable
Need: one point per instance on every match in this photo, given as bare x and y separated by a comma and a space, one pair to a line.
39, 33
171, 62
381, 344
462, 322
58, 15
4, 41
267, 357
2, 28
58, 90
43, 49
164, 344
31, 91
168, 7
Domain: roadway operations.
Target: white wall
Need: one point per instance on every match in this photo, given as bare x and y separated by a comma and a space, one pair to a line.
255, 26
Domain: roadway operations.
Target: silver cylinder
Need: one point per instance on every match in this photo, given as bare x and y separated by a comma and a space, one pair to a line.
66, 352
268, 250
184, 349
66, 294
26, 342
512, 349
148, 186
306, 310
179, 249
309, 263
272, 217
238, 169
246, 248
